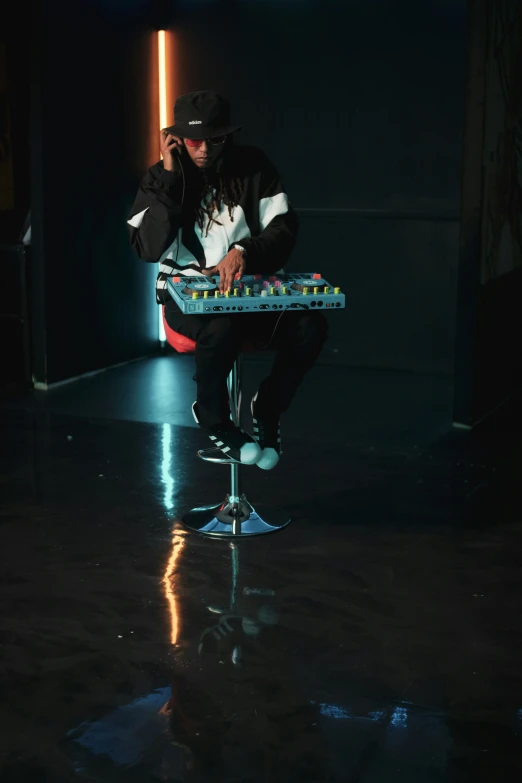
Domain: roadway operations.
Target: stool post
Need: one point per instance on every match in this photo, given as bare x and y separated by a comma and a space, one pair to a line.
234, 389
234, 396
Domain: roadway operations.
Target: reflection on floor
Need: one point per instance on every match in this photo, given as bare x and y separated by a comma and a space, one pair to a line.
377, 639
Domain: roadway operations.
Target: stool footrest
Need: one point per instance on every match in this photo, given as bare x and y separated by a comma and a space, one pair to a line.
235, 517
216, 455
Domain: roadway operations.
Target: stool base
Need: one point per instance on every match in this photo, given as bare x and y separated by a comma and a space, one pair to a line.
235, 517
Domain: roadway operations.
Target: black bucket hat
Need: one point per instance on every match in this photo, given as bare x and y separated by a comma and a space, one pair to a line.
202, 115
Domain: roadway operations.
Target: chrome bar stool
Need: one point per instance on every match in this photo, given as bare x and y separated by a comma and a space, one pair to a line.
235, 516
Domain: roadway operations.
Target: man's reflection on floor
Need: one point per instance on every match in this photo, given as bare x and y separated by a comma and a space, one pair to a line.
238, 705
235, 710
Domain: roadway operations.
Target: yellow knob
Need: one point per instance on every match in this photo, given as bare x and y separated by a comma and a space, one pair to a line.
216, 294
227, 293
205, 294
305, 290
337, 290
248, 291
235, 291
195, 295
284, 289
272, 290
326, 289
316, 289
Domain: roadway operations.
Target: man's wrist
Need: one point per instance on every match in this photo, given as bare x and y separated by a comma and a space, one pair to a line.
241, 249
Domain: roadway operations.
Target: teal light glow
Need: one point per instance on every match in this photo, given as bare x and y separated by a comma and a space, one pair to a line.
343, 713
161, 328
399, 717
166, 466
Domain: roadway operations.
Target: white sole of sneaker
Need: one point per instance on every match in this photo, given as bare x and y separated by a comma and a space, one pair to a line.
268, 460
250, 454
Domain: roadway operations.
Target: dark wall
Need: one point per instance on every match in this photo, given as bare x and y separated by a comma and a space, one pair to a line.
15, 194
361, 106
90, 129
488, 355
14, 122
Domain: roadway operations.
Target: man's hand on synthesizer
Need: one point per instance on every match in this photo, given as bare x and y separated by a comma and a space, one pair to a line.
233, 264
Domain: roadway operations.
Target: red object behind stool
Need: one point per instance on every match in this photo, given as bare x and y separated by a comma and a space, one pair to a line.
178, 341
183, 344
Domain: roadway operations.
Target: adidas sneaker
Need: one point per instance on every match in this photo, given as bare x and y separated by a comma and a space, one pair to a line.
233, 442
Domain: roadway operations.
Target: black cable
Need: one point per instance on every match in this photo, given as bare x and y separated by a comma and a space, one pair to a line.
181, 210
296, 306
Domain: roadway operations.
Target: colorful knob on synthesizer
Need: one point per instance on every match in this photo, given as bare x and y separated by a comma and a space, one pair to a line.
227, 293
326, 290
316, 289
284, 289
316, 276
305, 290
272, 290
236, 291
205, 294
216, 294
264, 292
248, 291
337, 290
195, 295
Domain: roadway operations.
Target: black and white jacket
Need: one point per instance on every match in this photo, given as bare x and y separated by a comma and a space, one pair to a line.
163, 228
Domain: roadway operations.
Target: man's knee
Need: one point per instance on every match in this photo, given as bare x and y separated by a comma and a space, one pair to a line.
220, 330
311, 327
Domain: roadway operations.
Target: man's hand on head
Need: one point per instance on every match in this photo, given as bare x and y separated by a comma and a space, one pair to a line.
233, 264
170, 146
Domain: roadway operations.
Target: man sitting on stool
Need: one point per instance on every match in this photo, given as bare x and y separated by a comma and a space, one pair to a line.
208, 208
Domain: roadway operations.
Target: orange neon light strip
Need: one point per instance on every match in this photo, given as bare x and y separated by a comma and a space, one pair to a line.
162, 78
162, 84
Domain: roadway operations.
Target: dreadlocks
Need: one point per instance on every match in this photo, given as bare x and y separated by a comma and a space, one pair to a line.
219, 187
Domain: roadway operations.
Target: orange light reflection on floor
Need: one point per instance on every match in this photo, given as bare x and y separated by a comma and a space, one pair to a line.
170, 595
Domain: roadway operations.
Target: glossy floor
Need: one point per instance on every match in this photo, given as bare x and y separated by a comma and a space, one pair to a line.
377, 639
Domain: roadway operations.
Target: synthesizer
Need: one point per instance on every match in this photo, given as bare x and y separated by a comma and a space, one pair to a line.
255, 294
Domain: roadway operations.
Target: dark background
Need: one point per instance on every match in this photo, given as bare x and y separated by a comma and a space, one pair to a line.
88, 134
362, 106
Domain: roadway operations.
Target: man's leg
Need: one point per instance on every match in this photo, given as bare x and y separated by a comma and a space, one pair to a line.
217, 345
216, 351
298, 341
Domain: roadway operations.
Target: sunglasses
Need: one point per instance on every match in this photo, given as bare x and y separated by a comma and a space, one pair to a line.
198, 142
